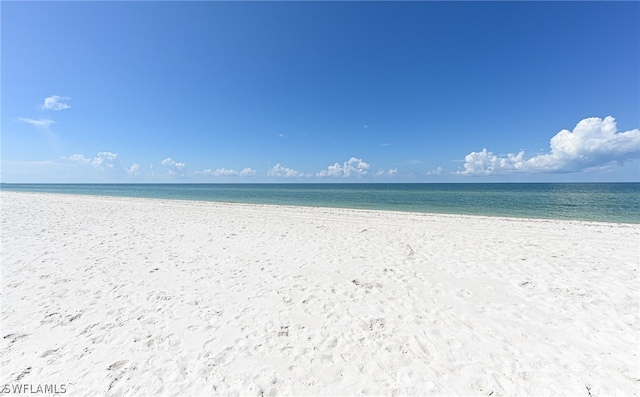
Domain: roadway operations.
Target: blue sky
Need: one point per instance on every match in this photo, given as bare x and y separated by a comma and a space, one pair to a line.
320, 92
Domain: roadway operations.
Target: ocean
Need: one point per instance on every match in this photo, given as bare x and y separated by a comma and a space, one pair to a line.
604, 202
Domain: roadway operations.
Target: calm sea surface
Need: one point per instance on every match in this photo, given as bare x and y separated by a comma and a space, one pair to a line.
607, 202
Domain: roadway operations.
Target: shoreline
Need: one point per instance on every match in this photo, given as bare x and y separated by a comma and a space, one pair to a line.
118, 295
328, 208
612, 203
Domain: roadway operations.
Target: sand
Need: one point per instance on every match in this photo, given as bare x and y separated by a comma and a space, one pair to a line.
122, 296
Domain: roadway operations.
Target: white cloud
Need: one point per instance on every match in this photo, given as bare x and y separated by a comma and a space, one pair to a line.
134, 170
226, 172
390, 172
102, 160
594, 142
105, 159
486, 162
104, 166
43, 123
247, 172
173, 166
352, 167
280, 171
79, 158
56, 102
437, 171
207, 172
332, 170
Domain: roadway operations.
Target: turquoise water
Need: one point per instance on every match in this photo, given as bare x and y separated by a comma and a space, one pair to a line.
606, 202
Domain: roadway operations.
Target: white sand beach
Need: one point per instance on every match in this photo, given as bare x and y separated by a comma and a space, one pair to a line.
122, 296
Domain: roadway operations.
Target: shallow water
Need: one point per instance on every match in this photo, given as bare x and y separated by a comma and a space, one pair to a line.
606, 202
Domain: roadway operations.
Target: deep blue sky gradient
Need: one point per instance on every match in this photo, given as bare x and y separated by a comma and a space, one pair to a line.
410, 86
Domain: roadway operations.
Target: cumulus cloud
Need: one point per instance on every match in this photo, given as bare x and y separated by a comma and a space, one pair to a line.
56, 102
280, 171
173, 166
106, 163
594, 142
226, 172
134, 170
102, 165
437, 171
390, 172
104, 159
247, 172
207, 172
486, 162
101, 160
352, 167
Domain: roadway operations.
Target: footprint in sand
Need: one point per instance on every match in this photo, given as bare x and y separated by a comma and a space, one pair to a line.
117, 365
23, 374
376, 324
284, 330
14, 337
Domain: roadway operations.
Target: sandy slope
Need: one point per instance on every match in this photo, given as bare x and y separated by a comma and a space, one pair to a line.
112, 296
